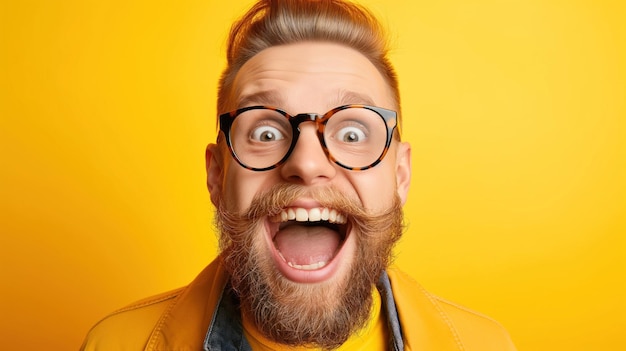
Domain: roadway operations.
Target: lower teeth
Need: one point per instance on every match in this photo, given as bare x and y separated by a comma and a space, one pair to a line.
307, 267
304, 267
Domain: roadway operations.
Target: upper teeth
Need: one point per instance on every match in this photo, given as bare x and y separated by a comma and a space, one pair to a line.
310, 215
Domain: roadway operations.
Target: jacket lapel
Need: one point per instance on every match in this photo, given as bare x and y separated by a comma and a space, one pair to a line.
425, 326
184, 325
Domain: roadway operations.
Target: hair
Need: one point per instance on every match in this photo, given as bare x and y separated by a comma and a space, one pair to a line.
278, 22
325, 314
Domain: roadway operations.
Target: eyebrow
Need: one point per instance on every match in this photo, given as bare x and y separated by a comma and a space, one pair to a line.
347, 97
266, 98
275, 99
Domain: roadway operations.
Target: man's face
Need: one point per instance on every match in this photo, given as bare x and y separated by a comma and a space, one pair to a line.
322, 248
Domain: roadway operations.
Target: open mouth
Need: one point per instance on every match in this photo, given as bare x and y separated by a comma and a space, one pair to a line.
308, 239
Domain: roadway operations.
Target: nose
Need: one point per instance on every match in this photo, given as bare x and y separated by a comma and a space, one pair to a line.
308, 164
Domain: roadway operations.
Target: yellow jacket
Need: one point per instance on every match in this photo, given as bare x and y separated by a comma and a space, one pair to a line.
179, 320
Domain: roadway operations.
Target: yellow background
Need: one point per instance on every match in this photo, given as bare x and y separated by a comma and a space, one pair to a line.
515, 109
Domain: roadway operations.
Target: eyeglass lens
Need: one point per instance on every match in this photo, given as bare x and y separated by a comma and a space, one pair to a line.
354, 137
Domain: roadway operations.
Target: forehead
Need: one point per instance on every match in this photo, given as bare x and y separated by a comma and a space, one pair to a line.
310, 76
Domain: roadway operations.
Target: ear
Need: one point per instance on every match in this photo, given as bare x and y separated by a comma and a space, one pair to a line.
403, 170
214, 172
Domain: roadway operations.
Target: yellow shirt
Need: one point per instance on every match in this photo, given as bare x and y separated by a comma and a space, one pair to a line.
374, 336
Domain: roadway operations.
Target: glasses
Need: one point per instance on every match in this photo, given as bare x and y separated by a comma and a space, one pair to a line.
355, 137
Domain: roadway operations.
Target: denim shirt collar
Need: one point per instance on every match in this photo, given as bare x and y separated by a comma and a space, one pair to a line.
226, 329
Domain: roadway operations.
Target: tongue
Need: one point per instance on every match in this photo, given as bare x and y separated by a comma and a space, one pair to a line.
305, 245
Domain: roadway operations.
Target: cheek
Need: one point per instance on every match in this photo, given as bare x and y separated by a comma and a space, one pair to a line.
238, 190
376, 188
241, 185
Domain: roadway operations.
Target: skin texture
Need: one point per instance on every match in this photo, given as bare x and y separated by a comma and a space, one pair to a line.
309, 77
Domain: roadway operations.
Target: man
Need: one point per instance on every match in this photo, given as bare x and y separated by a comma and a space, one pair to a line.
309, 204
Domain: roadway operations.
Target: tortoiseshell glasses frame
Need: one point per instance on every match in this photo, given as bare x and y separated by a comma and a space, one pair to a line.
388, 118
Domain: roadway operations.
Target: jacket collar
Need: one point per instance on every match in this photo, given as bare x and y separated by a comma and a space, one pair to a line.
226, 331
426, 326
183, 325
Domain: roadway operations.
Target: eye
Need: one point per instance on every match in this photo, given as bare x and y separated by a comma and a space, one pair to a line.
350, 135
266, 134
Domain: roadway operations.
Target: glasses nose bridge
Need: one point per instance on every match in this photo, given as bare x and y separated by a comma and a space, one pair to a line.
306, 117
300, 118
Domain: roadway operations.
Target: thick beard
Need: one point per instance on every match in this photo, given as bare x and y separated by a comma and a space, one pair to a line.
322, 315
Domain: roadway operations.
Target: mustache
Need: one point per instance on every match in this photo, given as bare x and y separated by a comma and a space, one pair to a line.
274, 199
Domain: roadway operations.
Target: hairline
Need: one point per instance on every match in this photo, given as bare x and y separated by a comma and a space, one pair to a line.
232, 103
